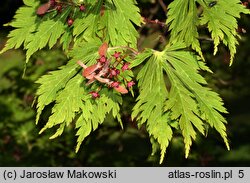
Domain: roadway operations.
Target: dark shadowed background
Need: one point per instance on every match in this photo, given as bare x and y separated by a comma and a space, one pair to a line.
20, 144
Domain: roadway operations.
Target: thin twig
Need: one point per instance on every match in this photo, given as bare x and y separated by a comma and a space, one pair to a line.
156, 21
164, 7
125, 47
206, 39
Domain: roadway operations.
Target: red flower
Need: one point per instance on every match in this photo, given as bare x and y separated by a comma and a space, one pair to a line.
114, 72
70, 22
103, 59
94, 94
115, 84
82, 7
117, 55
130, 84
52, 3
125, 67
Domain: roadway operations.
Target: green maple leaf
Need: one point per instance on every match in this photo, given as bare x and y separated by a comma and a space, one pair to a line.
222, 23
86, 26
94, 113
118, 20
190, 100
24, 23
48, 33
149, 108
220, 19
67, 88
183, 23
68, 103
187, 102
51, 84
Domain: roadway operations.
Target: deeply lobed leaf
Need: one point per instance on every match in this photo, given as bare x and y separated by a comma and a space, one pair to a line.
222, 23
149, 108
24, 23
118, 18
220, 19
188, 102
51, 84
183, 23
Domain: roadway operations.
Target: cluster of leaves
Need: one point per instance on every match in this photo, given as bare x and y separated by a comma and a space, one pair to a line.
185, 18
172, 93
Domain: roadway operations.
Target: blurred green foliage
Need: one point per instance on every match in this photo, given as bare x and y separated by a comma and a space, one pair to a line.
20, 144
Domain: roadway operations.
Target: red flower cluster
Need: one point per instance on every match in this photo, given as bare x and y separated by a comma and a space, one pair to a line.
107, 71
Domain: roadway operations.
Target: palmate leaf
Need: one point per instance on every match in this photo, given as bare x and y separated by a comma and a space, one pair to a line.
149, 108
188, 102
189, 99
51, 84
48, 33
35, 32
183, 21
94, 113
87, 52
24, 23
68, 102
118, 18
222, 23
220, 19
86, 26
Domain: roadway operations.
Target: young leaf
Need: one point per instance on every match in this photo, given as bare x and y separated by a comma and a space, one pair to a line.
86, 52
87, 26
188, 102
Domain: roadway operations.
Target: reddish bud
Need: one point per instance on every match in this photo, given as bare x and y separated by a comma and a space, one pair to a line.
130, 84
121, 89
94, 94
117, 72
117, 55
125, 67
103, 59
103, 49
115, 84
52, 3
82, 7
102, 10
70, 22
59, 8
43, 9
245, 4
114, 72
